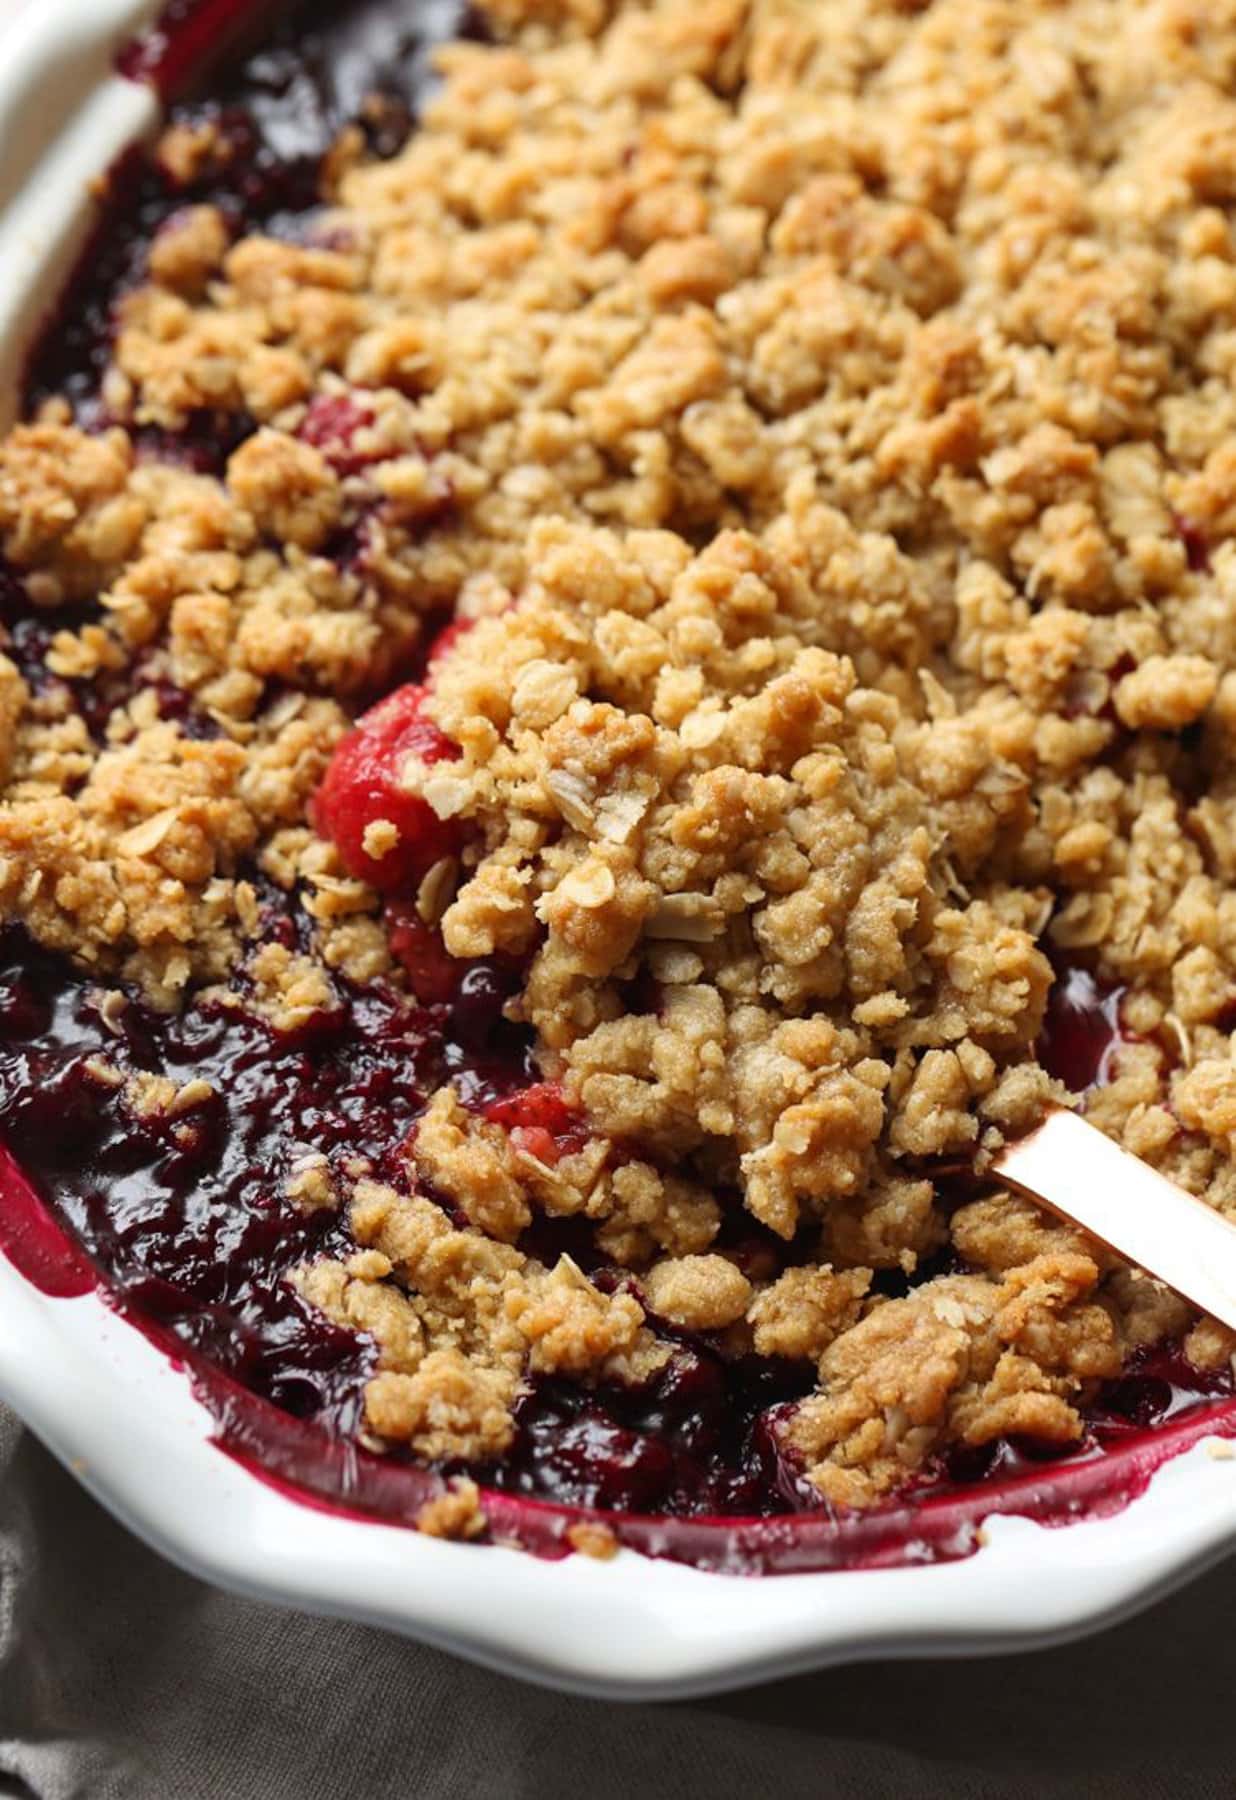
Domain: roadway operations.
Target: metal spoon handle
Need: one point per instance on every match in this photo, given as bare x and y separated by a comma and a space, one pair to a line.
1072, 1168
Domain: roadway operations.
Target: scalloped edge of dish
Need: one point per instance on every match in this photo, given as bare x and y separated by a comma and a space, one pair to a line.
123, 1420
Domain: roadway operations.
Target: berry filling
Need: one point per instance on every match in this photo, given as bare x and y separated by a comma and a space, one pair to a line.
271, 116
387, 835
331, 424
1081, 1029
541, 1121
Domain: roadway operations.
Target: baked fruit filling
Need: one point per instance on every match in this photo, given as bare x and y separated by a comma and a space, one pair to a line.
603, 699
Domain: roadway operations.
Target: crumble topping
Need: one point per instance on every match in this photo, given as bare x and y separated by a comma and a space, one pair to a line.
820, 419
455, 1513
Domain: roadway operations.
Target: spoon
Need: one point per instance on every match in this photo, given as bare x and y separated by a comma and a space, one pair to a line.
1071, 1168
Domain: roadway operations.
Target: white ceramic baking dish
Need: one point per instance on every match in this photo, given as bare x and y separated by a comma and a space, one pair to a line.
118, 1414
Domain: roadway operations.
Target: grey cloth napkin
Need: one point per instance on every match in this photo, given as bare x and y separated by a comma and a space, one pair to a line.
122, 1679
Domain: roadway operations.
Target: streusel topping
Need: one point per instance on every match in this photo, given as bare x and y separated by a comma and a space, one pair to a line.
820, 421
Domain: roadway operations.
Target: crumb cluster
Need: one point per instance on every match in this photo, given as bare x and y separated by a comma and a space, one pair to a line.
823, 420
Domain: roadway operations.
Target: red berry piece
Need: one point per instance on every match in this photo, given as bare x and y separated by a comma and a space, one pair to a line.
536, 1142
362, 787
541, 1120
331, 423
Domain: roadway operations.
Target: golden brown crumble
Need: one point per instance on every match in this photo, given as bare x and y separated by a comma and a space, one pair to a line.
701, 1293
817, 411
962, 1358
590, 1538
454, 1513
805, 1308
459, 1317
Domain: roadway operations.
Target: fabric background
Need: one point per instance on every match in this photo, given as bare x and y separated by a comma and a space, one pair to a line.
122, 1679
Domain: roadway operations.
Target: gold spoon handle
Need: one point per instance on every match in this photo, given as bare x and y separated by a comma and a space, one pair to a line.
1072, 1168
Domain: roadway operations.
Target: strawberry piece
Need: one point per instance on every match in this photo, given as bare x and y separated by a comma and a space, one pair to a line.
536, 1142
362, 787
542, 1119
